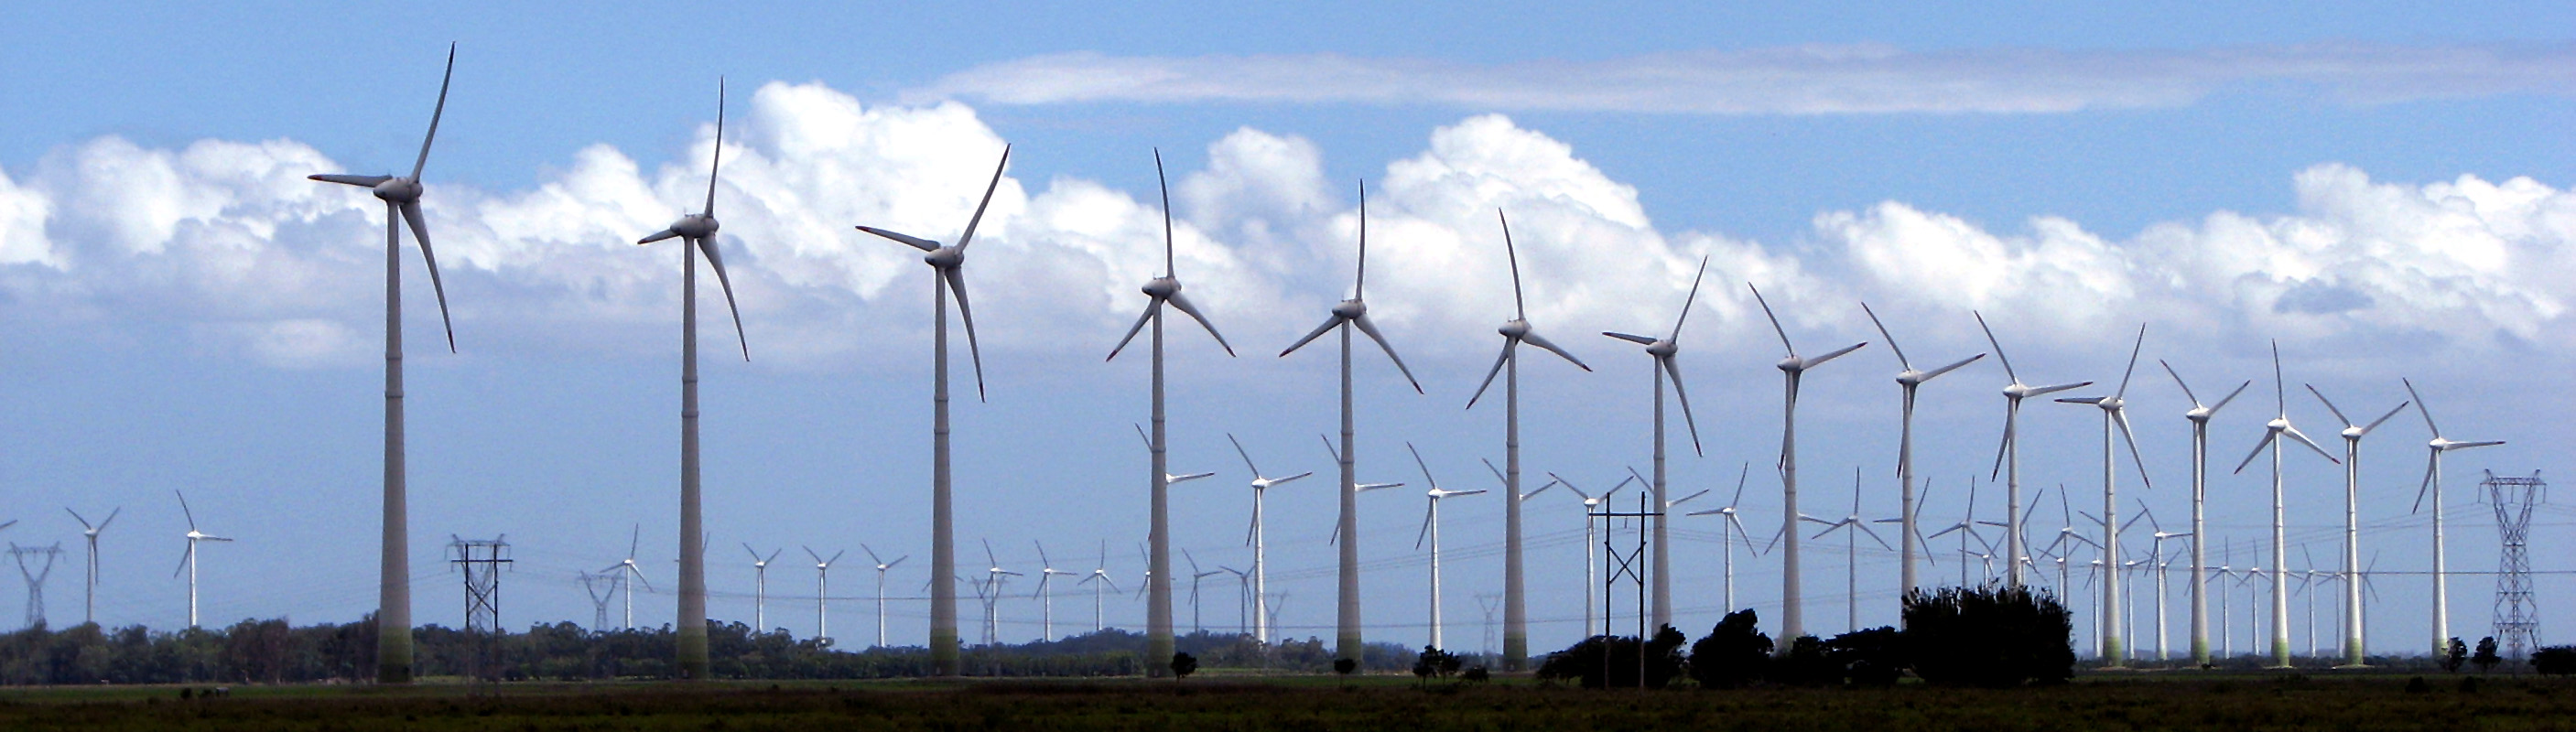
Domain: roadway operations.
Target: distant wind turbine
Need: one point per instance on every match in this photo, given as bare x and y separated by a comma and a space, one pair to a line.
1665, 352
1256, 537
1908, 379
1046, 589
881, 566
1592, 582
2008, 456
627, 569
2199, 416
89, 584
2273, 432
2353, 652
760, 587
823, 595
1732, 532
1514, 332
2433, 487
1852, 527
2115, 417
188, 563
1792, 368
1431, 530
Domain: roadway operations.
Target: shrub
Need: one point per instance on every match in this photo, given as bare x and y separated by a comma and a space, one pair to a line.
1183, 665
2486, 658
1613, 661
1872, 657
1475, 675
2459, 655
2554, 660
1805, 664
1990, 636
1734, 655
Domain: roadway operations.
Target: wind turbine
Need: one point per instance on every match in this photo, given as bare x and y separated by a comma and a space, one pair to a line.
760, 587
1195, 575
626, 568
822, 584
188, 563
1100, 574
2199, 416
1259, 541
2352, 432
1045, 591
1431, 531
881, 566
2115, 415
2156, 554
1731, 531
1664, 351
1966, 528
1851, 547
1159, 291
697, 233
89, 585
2272, 434
1792, 367
1908, 379
2433, 486
401, 195
993, 578
1345, 316
2008, 456
948, 277
1591, 580
1514, 332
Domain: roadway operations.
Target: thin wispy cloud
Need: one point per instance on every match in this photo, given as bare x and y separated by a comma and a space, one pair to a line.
1796, 80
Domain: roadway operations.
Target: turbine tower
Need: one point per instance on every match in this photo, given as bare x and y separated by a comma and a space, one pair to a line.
1514, 332
1431, 530
2008, 456
2199, 416
760, 588
822, 581
1731, 531
1197, 574
1158, 292
2156, 557
2353, 651
1591, 581
401, 195
881, 565
1852, 527
948, 277
1100, 574
1352, 313
626, 569
1907, 380
2115, 415
2272, 433
1665, 352
188, 563
89, 580
1046, 591
1792, 368
994, 575
1255, 537
2433, 486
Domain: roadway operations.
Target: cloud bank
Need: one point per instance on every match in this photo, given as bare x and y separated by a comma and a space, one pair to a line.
227, 241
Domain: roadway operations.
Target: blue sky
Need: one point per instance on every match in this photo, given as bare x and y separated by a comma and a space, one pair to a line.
2380, 188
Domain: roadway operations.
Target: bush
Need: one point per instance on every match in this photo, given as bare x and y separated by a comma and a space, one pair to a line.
1806, 665
1183, 665
1989, 636
1873, 657
2459, 655
2554, 660
1612, 661
2486, 658
1734, 655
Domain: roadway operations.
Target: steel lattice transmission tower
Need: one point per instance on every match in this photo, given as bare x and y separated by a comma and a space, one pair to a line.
481, 560
35, 577
2517, 614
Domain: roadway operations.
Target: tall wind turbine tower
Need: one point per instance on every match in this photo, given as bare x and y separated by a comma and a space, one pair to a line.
2273, 432
1431, 530
2115, 417
1731, 533
948, 277
1792, 368
402, 201
1158, 292
1665, 352
697, 233
626, 569
1352, 313
881, 566
188, 563
1046, 589
1591, 582
2353, 654
1255, 537
1100, 574
2199, 416
2008, 458
760, 588
1907, 380
89, 583
1514, 332
822, 594
1852, 527
2433, 487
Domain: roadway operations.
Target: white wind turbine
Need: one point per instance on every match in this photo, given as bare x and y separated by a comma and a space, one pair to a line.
1351, 313
1591, 579
402, 201
2433, 487
760, 587
697, 233
822, 594
1099, 574
2353, 651
2199, 416
1514, 332
1966, 528
994, 575
1046, 588
2115, 416
1197, 574
1908, 379
822, 565
627, 569
89, 585
2156, 557
1665, 352
1431, 530
1792, 368
188, 563
1158, 292
2272, 434
948, 277
1361, 488
2008, 455
1259, 541
1852, 527
1731, 532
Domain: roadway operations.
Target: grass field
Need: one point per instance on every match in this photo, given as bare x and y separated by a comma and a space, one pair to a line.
2105, 702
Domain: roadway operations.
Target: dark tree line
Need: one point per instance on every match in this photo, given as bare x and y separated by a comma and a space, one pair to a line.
1988, 636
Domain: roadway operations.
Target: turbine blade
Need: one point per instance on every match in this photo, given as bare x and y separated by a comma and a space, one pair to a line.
716, 160
435, 113
716, 262
1151, 305
2418, 399
1247, 457
1636, 339
1873, 536
2330, 405
2058, 388
657, 236
183, 509
1891, 340
1999, 346
1692, 299
2177, 377
634, 538
863, 546
2392, 412
1820, 360
1775, 319
2280, 393
361, 181
1533, 338
956, 278
1677, 502
1672, 366
420, 233
2122, 416
907, 239
1740, 475
184, 556
1371, 329
1425, 531
1497, 370
1359, 289
2312, 445
1936, 373
1165, 186
1318, 332
1183, 302
1520, 310
969, 236
755, 553
2134, 349
2001, 447
2082, 400
2258, 451
2231, 396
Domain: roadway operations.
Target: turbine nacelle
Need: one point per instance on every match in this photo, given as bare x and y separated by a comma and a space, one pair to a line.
1163, 288
1351, 309
695, 226
946, 257
398, 190
1664, 348
1516, 329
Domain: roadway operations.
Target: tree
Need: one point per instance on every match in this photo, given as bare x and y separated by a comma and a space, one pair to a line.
1872, 657
1734, 655
1613, 661
2459, 655
1183, 665
1435, 662
1344, 667
2486, 658
1990, 636
2554, 660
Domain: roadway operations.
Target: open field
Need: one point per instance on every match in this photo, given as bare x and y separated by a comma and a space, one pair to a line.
2094, 703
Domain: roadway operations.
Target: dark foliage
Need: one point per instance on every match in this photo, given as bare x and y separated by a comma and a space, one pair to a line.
2459, 655
1183, 665
1345, 666
1614, 661
2554, 660
1734, 655
1806, 665
1872, 657
1435, 663
2486, 657
1475, 675
1989, 636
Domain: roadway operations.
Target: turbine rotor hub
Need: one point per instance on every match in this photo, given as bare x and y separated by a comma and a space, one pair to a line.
1350, 309
945, 257
398, 190
694, 226
1163, 287
1515, 330
1663, 349
1792, 364
2277, 424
